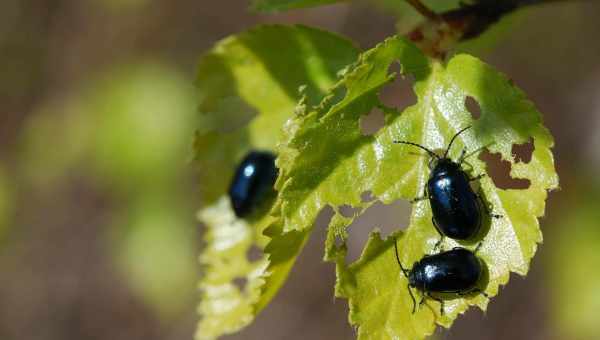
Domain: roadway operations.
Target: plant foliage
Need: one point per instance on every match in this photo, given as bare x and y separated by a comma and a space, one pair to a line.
283, 5
326, 160
250, 76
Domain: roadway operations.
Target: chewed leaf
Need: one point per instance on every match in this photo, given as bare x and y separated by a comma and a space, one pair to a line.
232, 278
249, 86
327, 161
378, 291
282, 251
570, 268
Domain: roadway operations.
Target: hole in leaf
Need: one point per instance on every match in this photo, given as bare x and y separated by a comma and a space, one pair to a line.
385, 217
367, 196
324, 216
371, 123
338, 241
254, 253
399, 93
240, 283
499, 171
395, 68
523, 152
473, 107
339, 93
348, 211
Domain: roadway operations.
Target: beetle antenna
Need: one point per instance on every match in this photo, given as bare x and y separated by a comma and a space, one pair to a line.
453, 138
404, 271
413, 298
431, 153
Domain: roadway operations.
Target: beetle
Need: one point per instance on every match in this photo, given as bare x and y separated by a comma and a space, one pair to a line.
253, 182
455, 207
456, 271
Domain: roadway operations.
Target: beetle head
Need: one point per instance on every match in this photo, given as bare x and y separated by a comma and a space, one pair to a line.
415, 277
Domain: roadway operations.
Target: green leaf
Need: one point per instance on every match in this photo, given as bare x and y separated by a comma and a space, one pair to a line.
249, 86
284, 5
225, 306
327, 161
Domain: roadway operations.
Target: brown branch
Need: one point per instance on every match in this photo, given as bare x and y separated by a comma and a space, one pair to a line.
441, 32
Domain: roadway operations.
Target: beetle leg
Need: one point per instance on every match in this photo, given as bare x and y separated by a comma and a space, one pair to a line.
467, 163
487, 208
461, 158
476, 178
439, 242
478, 247
477, 291
438, 300
420, 198
413, 299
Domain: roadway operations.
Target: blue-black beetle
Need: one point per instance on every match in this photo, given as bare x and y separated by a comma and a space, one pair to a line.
457, 271
455, 207
252, 182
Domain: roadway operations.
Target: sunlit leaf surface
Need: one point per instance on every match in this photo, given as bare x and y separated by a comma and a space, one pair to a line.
249, 84
325, 160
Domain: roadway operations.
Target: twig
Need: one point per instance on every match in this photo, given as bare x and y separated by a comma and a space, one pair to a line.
441, 32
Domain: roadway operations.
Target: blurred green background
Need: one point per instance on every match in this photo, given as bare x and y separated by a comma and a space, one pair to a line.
98, 235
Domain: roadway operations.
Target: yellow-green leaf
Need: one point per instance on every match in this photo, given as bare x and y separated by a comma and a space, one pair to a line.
231, 279
326, 161
249, 85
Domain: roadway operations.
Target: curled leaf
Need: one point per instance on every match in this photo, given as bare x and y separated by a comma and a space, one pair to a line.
249, 85
231, 278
